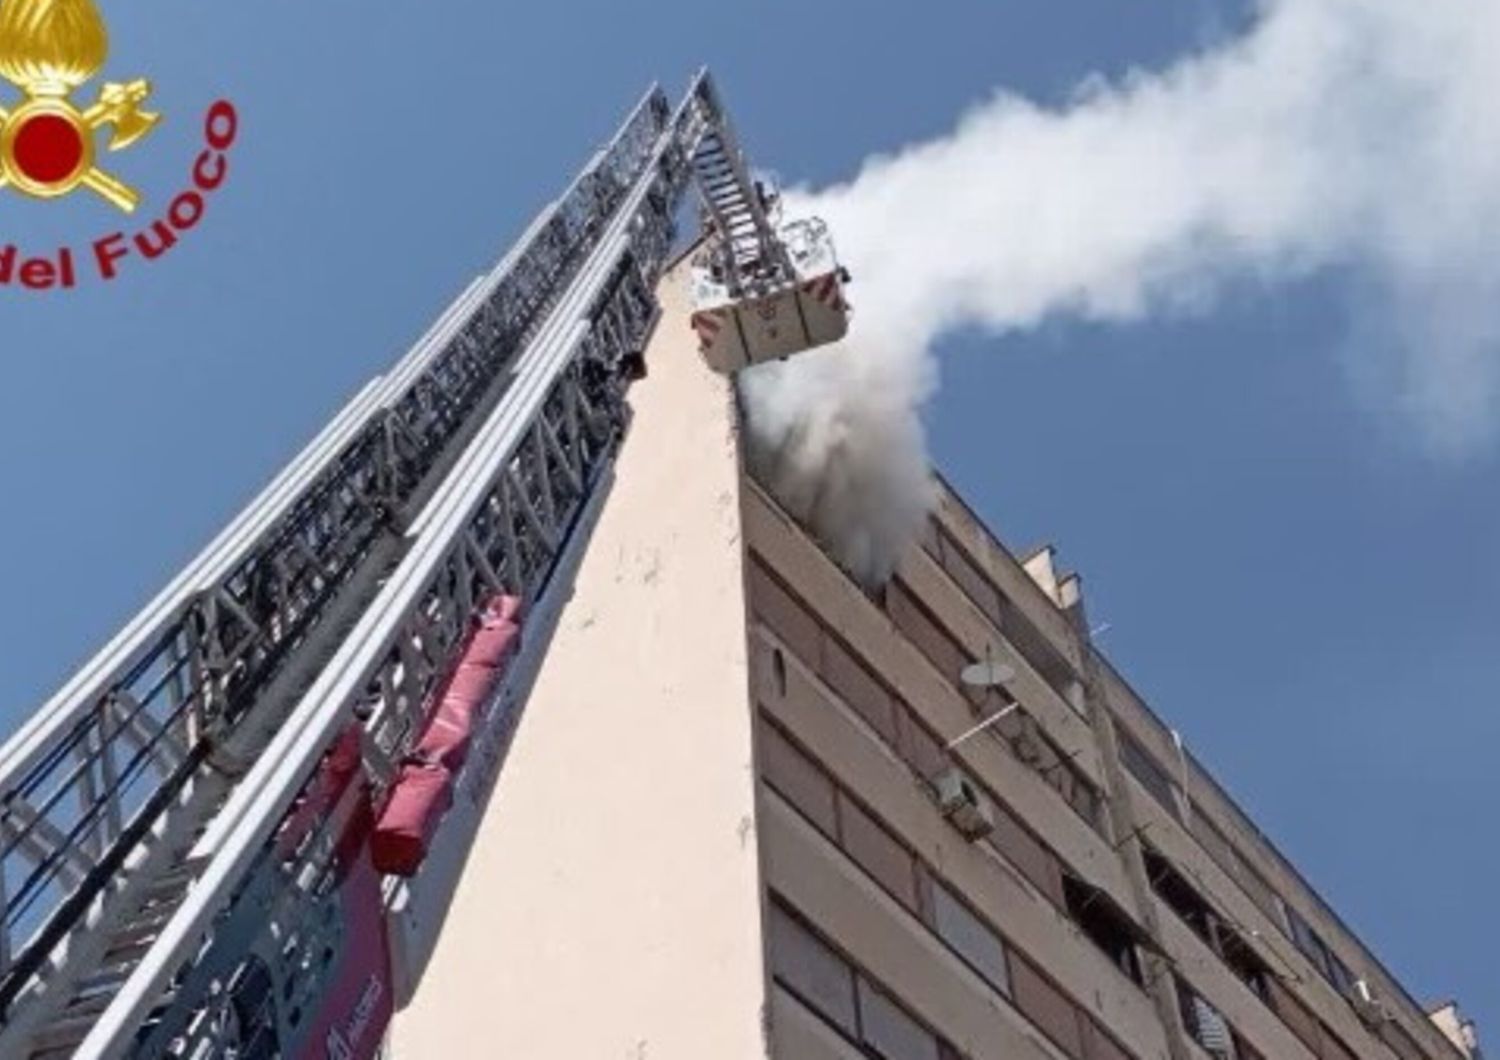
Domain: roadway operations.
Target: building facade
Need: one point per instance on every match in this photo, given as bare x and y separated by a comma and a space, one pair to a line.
756, 809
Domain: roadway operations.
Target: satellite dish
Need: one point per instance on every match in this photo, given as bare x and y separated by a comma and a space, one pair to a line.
987, 674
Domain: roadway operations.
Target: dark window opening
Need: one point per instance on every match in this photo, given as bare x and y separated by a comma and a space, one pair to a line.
1319, 953
1308, 941
1340, 975
1173, 888
778, 671
1106, 925
1146, 770
1243, 1050
1245, 963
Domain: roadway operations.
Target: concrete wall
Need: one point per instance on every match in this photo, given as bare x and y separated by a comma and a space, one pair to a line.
612, 904
1265, 873
610, 907
842, 900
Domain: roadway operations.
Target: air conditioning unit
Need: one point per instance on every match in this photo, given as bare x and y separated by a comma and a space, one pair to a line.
1366, 1004
963, 804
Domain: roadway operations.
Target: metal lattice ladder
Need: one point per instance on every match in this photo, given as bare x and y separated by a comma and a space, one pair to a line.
137, 804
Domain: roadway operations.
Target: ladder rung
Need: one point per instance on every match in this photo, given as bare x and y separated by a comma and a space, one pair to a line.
147, 927
86, 1008
130, 948
173, 885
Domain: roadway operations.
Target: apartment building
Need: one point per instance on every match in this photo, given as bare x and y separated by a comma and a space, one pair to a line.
754, 808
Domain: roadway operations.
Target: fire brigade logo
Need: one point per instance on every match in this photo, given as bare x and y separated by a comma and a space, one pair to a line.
48, 48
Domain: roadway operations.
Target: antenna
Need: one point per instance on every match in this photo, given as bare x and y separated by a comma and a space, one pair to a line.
977, 729
988, 674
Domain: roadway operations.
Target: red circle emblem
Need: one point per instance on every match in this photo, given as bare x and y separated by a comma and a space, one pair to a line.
47, 149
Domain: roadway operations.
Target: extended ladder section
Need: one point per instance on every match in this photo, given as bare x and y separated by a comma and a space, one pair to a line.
762, 290
184, 827
749, 249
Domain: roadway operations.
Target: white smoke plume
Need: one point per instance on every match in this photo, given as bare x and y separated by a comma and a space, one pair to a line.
1357, 134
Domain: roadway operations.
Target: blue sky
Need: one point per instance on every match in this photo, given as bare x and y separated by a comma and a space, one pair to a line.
1289, 575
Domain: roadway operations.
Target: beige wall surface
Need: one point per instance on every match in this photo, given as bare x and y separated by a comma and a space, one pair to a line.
610, 907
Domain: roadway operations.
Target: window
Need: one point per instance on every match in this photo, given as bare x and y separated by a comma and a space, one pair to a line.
1173, 889
797, 778
1334, 1047
917, 746
922, 630
853, 682
828, 985
1245, 1051
1204, 1023
878, 852
1145, 769
1076, 789
778, 672
1105, 923
1339, 973
888, 1032
1312, 946
1307, 940
1245, 963
812, 971
783, 613
932, 538
975, 584
1047, 1007
1019, 731
1230, 860
970, 938
1030, 743
1027, 853
1402, 1043
1295, 1015
1101, 1046
1024, 636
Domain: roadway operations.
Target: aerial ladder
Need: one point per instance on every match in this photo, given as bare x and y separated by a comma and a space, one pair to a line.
187, 826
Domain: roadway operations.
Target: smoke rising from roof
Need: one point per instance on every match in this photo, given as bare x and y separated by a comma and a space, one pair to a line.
1360, 134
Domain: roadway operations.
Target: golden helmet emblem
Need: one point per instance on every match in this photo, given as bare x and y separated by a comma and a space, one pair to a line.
48, 49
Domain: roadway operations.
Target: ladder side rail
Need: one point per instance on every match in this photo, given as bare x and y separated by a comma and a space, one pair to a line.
130, 648
135, 648
234, 666
517, 291
717, 126
525, 286
85, 686
229, 679
624, 154
37, 762
235, 835
621, 158
431, 630
421, 634
449, 328
96, 803
286, 896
